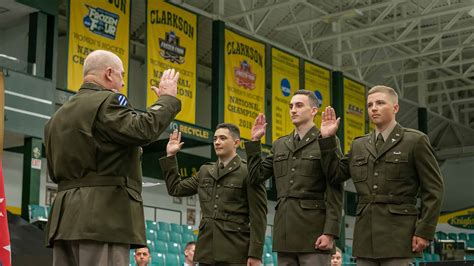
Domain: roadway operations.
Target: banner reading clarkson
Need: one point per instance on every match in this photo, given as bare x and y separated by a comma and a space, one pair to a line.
317, 80
171, 43
285, 81
354, 108
94, 25
244, 96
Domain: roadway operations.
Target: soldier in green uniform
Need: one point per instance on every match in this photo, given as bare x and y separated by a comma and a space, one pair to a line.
308, 211
232, 229
391, 167
93, 153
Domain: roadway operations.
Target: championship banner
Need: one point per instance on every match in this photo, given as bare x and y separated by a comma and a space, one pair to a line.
171, 43
354, 111
96, 25
285, 81
244, 96
318, 80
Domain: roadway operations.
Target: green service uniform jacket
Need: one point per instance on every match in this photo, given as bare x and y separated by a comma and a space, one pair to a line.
93, 153
308, 206
234, 212
388, 185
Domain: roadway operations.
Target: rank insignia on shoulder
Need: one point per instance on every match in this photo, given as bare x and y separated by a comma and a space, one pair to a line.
122, 100
156, 107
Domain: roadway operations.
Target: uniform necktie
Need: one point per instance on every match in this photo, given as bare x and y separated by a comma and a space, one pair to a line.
221, 165
379, 142
297, 140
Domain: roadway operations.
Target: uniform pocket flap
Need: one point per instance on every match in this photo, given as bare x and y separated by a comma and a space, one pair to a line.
235, 227
232, 185
404, 209
280, 156
396, 157
360, 160
134, 195
311, 156
310, 204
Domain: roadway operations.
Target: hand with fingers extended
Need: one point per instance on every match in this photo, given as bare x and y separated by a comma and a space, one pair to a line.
258, 129
174, 143
168, 83
329, 122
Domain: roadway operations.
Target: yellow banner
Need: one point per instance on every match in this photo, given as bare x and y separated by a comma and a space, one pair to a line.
171, 43
96, 25
318, 80
354, 111
463, 219
244, 96
285, 81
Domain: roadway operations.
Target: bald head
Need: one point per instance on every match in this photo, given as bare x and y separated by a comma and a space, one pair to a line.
99, 60
105, 69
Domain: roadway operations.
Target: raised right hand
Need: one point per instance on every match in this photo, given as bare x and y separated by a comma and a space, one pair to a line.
168, 83
329, 122
258, 129
174, 143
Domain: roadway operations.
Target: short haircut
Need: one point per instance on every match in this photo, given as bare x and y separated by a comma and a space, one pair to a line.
142, 247
188, 245
338, 250
99, 60
313, 101
233, 129
392, 94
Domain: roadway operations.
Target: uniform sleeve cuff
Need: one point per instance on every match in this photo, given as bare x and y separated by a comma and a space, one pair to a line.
255, 251
252, 147
168, 162
329, 143
425, 231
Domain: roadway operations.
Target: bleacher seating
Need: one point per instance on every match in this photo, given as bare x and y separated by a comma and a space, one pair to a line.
163, 235
157, 259
172, 259
176, 237
164, 226
38, 213
161, 246
267, 259
176, 228
151, 225
174, 248
150, 234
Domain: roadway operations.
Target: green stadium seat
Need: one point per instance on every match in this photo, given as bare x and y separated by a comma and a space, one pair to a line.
151, 234
346, 258
453, 236
469, 257
176, 228
158, 259
38, 213
164, 226
187, 229
268, 240
176, 237
348, 250
174, 248
151, 225
163, 236
462, 236
435, 257
188, 238
470, 244
267, 248
172, 259
132, 258
161, 246
267, 259
471, 236
275, 258
151, 244
426, 257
